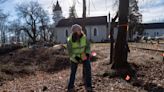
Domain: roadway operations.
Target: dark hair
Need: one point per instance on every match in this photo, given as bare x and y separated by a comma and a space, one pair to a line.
75, 37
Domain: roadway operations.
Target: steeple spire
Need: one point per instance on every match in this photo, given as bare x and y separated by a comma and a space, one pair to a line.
56, 7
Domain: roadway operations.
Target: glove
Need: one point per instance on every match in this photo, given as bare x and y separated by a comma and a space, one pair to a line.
88, 55
77, 58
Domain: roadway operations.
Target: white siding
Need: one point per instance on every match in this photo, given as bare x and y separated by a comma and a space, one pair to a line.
153, 32
61, 34
101, 33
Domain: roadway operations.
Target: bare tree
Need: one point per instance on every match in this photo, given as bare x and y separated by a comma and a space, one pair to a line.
3, 33
44, 20
3, 30
31, 14
52, 36
3, 26
14, 28
3, 16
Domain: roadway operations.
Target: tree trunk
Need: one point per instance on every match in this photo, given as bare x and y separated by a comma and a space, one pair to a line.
3, 37
121, 47
113, 24
84, 16
34, 32
84, 30
34, 35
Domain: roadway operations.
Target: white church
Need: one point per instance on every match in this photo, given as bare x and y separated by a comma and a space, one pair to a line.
97, 28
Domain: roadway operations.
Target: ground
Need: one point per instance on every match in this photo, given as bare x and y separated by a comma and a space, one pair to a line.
47, 69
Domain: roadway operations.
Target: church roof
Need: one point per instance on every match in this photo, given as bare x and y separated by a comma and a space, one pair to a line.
57, 7
153, 25
100, 20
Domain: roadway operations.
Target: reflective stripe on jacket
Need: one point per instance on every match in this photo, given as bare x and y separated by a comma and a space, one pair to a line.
77, 48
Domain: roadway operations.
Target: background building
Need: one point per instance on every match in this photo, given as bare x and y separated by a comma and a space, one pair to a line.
153, 29
96, 28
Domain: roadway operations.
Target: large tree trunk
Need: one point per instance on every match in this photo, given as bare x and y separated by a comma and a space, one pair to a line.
84, 30
121, 47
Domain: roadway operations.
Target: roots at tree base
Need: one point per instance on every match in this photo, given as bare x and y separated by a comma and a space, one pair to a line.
121, 70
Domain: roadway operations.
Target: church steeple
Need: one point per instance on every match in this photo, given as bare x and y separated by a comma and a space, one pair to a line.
57, 13
56, 7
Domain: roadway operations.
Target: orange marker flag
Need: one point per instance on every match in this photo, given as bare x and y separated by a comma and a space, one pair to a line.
94, 54
162, 54
127, 78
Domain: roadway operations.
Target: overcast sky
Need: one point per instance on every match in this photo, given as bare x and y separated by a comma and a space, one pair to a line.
152, 10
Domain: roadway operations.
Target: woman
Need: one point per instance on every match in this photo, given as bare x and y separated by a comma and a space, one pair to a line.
79, 52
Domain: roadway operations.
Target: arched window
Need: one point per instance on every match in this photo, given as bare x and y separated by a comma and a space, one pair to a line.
157, 33
154, 33
86, 32
66, 33
95, 32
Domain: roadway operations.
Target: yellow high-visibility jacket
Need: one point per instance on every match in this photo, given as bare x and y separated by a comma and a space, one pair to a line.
77, 48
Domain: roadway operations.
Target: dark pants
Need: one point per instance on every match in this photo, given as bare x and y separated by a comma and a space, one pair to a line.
86, 74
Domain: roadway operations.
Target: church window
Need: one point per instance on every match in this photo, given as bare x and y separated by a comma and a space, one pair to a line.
67, 33
95, 32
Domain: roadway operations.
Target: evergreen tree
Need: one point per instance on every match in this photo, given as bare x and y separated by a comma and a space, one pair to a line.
135, 19
72, 12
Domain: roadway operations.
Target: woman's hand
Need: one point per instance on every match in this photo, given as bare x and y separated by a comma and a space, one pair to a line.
77, 58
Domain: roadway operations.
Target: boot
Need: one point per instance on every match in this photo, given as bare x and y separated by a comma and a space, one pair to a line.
89, 90
71, 90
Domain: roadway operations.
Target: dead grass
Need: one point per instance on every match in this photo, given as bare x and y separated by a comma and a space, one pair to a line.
26, 61
49, 69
